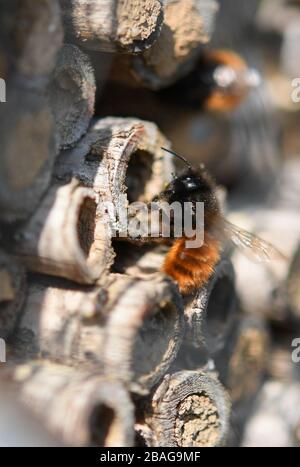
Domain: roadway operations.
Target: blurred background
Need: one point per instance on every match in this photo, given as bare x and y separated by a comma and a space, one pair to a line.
228, 97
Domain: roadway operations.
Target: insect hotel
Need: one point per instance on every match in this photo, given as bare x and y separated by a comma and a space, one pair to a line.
104, 342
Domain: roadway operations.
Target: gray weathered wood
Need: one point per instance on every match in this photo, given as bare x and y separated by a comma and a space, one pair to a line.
210, 313
78, 408
119, 155
144, 330
30, 37
31, 34
188, 409
71, 95
65, 237
130, 329
111, 25
187, 26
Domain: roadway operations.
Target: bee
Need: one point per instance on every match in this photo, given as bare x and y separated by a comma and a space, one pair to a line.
219, 82
191, 268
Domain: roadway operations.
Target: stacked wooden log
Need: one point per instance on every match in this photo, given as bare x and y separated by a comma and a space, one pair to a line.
101, 348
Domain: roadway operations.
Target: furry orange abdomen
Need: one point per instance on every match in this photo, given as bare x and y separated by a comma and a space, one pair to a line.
191, 268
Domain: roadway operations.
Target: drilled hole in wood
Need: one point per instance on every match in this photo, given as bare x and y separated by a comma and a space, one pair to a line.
86, 226
197, 422
128, 254
103, 424
154, 340
139, 172
220, 306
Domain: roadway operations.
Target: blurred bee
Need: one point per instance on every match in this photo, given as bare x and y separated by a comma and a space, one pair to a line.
219, 82
191, 268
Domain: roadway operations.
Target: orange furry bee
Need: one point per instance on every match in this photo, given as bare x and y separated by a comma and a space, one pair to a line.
191, 268
219, 82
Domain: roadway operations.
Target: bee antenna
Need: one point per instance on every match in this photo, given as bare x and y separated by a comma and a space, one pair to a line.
179, 157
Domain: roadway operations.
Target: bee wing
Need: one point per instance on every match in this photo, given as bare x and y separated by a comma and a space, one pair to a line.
253, 247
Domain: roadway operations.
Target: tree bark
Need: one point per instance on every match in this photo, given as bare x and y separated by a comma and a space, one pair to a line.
80, 252
119, 155
78, 408
30, 36
71, 95
209, 315
29, 148
61, 322
140, 344
131, 329
187, 26
188, 409
128, 26
122, 161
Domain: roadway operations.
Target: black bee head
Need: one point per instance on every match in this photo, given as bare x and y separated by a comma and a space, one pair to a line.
191, 186
185, 187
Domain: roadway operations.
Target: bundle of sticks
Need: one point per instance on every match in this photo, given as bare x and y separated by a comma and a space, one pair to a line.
101, 348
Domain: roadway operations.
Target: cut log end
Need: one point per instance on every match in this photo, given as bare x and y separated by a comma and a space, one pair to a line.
62, 322
187, 26
78, 408
197, 423
106, 26
30, 37
28, 152
140, 30
210, 314
91, 328
155, 344
122, 161
77, 253
32, 34
142, 343
188, 409
119, 155
72, 95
